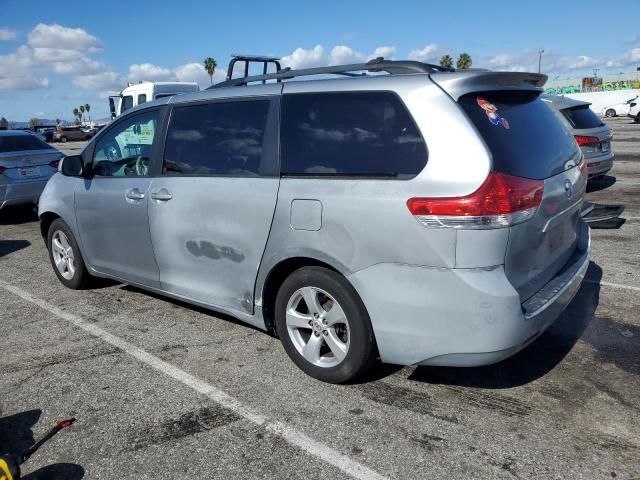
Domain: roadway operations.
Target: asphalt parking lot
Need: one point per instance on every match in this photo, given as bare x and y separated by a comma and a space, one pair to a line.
161, 388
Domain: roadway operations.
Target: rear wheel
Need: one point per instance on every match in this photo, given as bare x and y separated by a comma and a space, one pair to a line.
65, 256
324, 326
63, 139
610, 113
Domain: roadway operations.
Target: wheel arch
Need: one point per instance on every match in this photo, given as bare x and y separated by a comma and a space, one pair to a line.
46, 219
278, 272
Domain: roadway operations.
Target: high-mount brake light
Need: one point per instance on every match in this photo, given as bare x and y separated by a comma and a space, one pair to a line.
583, 140
501, 201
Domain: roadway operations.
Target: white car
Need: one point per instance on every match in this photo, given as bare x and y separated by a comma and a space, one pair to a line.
619, 109
634, 110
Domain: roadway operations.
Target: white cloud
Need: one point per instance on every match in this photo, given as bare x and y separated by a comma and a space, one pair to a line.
527, 61
7, 34
195, 72
149, 72
99, 81
429, 53
301, 58
386, 52
58, 36
39, 114
630, 58
342, 54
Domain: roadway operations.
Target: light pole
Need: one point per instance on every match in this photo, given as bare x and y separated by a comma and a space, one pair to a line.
540, 52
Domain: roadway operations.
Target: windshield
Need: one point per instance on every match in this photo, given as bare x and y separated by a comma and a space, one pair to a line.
19, 143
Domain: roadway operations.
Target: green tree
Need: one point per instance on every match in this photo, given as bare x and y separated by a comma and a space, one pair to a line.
210, 65
464, 61
81, 108
4, 124
35, 122
76, 114
446, 61
87, 107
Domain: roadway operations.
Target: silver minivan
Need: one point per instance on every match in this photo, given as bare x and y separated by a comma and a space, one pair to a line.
416, 215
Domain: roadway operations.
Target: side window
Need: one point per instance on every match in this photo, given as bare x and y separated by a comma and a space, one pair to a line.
349, 134
142, 98
125, 150
127, 103
216, 138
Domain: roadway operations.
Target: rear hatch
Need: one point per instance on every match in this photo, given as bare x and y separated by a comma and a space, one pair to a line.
26, 157
527, 140
591, 133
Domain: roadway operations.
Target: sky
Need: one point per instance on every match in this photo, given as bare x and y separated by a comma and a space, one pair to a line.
55, 56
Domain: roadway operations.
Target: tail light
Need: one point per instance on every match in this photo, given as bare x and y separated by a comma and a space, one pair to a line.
54, 163
501, 201
583, 140
2, 170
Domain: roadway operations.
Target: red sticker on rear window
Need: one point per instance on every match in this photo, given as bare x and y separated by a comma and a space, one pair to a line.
492, 113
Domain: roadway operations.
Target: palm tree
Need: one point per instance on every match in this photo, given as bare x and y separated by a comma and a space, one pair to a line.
464, 61
81, 113
446, 61
87, 107
76, 113
210, 65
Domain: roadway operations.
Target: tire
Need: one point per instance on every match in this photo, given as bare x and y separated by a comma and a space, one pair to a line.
610, 113
63, 139
65, 256
301, 328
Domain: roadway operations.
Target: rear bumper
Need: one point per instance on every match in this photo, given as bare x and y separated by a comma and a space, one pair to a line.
21, 192
460, 317
599, 165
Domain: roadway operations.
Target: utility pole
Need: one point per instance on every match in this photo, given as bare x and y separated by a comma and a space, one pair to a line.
540, 52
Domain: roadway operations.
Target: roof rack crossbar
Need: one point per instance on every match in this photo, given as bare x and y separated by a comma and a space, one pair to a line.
393, 67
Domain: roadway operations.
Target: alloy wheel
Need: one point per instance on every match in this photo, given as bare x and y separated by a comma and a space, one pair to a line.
318, 327
63, 255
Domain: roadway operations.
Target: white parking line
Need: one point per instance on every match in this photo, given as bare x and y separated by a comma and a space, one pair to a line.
288, 433
613, 285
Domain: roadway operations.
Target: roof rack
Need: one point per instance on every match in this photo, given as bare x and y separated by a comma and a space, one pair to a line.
393, 67
247, 59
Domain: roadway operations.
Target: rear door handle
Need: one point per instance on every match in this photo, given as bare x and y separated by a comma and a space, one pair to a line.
134, 194
161, 195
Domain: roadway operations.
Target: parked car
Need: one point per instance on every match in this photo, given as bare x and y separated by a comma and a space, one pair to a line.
48, 133
619, 109
33, 132
26, 163
591, 133
430, 218
634, 110
64, 134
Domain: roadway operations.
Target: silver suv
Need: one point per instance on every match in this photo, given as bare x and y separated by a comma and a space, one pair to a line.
420, 216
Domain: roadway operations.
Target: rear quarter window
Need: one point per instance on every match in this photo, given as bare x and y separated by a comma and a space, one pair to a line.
581, 117
349, 134
525, 137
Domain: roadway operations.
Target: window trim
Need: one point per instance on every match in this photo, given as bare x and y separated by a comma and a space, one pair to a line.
88, 153
269, 161
331, 176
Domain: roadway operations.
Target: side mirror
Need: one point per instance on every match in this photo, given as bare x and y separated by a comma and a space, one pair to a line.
71, 166
112, 108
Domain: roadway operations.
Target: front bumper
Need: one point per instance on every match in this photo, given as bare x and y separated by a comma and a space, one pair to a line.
21, 192
460, 317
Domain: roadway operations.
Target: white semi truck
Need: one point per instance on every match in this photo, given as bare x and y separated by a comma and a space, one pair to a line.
142, 92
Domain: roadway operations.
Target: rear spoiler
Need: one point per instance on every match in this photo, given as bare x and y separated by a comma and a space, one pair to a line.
460, 83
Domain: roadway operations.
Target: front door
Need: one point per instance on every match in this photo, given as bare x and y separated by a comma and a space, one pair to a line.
210, 210
111, 206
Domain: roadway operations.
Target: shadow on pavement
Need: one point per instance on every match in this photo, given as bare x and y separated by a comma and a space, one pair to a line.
535, 361
10, 246
600, 183
16, 436
18, 215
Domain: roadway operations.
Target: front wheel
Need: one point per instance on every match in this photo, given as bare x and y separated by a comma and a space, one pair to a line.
324, 326
610, 113
63, 139
65, 256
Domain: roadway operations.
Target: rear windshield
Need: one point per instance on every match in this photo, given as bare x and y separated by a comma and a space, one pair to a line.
525, 137
582, 117
19, 143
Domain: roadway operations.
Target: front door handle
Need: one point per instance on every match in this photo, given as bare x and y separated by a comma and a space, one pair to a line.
161, 195
134, 194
